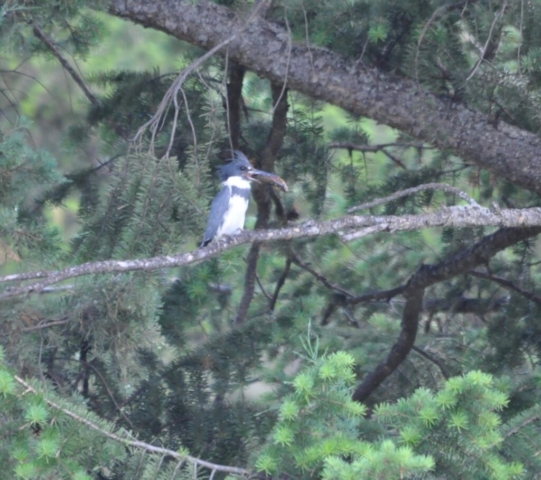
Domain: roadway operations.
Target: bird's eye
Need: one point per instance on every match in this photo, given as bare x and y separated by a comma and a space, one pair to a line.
244, 168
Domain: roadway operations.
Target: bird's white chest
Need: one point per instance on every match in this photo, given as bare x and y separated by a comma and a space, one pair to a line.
233, 220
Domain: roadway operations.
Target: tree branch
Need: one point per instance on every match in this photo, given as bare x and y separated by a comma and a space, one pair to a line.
40, 34
465, 216
428, 275
399, 102
411, 191
400, 350
435, 361
234, 103
376, 148
136, 443
279, 284
508, 285
305, 266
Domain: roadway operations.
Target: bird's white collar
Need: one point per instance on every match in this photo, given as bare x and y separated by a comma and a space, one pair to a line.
238, 182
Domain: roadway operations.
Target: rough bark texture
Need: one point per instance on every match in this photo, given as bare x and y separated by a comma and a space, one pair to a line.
457, 217
427, 275
264, 48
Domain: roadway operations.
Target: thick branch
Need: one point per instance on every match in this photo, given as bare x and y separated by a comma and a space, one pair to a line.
400, 350
428, 275
455, 216
264, 48
234, 103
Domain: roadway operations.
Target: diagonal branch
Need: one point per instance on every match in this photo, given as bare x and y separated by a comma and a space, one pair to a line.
507, 284
399, 102
136, 443
528, 219
305, 266
400, 350
280, 283
40, 34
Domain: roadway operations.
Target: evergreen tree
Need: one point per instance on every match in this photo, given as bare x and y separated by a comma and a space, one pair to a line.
398, 342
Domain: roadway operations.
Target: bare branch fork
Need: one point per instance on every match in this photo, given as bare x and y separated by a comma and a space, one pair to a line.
347, 228
172, 92
379, 148
196, 462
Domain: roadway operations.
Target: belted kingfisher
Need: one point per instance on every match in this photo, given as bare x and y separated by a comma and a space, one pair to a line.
228, 208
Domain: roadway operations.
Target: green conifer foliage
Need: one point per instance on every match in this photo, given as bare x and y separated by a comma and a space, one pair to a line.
206, 370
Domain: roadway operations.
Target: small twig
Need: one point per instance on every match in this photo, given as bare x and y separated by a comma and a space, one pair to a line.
172, 91
439, 11
489, 38
289, 47
525, 423
135, 443
379, 295
40, 34
507, 284
521, 31
41, 326
435, 361
262, 288
411, 191
376, 148
297, 261
104, 383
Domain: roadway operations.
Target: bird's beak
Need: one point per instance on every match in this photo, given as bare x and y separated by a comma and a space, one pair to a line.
265, 177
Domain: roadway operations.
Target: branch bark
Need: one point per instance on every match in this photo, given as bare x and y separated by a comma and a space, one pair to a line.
427, 275
40, 34
509, 285
197, 462
264, 48
467, 216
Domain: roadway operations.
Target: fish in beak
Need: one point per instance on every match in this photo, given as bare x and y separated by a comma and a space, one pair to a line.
260, 176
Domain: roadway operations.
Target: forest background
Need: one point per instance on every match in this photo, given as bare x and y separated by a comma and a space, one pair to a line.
383, 319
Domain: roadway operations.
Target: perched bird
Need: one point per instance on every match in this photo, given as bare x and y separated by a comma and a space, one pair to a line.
228, 208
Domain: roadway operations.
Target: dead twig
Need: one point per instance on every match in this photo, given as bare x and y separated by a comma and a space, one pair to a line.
135, 443
410, 191
40, 34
